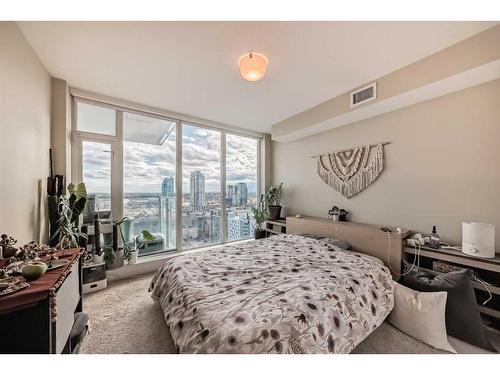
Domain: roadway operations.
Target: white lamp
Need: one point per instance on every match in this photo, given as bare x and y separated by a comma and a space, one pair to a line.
478, 239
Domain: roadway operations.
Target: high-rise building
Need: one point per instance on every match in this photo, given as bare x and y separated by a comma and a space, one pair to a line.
242, 194
239, 226
215, 225
230, 196
168, 187
197, 190
237, 195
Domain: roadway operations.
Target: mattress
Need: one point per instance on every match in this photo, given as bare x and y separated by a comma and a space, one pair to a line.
284, 294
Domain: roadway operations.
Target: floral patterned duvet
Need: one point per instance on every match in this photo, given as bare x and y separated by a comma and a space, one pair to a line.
284, 294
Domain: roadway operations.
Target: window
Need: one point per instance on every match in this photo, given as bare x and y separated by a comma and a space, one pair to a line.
131, 161
149, 180
95, 119
241, 186
96, 172
201, 188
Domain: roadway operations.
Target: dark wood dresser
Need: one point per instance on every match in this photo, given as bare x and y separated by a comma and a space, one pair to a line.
39, 319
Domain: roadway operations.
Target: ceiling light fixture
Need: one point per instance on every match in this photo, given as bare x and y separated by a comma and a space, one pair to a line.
253, 66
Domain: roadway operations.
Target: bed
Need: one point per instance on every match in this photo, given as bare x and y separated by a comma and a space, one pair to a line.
286, 294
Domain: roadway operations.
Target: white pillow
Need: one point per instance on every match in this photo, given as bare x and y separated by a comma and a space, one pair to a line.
421, 315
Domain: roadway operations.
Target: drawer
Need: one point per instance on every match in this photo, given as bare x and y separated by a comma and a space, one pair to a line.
67, 298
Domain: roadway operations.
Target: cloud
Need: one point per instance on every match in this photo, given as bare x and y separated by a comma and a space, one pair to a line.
145, 165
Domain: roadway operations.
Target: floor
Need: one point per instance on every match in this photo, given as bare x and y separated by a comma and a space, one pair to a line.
117, 320
124, 319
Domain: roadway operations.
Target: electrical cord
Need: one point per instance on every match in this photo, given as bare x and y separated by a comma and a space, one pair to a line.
476, 277
416, 259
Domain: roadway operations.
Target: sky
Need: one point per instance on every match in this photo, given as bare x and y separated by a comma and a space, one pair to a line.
145, 165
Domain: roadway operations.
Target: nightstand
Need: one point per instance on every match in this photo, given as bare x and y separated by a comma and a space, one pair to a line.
488, 270
275, 227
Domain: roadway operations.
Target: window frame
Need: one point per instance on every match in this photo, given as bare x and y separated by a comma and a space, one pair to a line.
116, 142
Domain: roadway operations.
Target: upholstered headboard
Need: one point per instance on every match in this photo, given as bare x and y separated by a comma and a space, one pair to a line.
364, 238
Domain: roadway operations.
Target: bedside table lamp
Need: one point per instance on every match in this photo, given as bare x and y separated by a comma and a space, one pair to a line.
478, 239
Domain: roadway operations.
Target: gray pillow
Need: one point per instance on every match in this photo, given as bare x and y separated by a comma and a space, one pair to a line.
463, 320
332, 241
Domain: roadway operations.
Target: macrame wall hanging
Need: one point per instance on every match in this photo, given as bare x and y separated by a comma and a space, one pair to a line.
352, 170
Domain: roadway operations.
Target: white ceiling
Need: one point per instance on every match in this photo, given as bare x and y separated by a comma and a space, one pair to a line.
192, 67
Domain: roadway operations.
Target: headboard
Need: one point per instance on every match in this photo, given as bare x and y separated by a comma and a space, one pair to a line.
364, 238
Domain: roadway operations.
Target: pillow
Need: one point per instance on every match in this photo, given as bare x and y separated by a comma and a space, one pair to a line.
332, 241
463, 320
421, 316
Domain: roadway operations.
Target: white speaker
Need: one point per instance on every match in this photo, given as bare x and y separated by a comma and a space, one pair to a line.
478, 239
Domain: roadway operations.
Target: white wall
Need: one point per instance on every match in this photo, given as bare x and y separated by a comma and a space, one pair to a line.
442, 167
24, 137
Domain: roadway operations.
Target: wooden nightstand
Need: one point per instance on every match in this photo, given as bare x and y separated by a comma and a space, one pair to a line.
275, 227
488, 269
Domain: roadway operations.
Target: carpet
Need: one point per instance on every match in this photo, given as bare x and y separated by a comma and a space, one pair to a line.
125, 319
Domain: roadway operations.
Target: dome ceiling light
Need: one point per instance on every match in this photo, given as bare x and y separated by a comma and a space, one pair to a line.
253, 66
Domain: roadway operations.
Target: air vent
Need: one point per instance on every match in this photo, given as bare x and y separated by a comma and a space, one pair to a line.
364, 94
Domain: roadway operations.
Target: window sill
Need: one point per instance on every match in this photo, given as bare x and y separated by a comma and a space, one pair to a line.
174, 253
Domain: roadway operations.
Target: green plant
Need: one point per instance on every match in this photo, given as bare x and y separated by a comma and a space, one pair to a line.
69, 210
128, 249
144, 238
109, 256
259, 213
273, 195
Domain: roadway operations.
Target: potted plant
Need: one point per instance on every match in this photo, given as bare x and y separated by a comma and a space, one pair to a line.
260, 215
273, 198
143, 239
110, 258
69, 210
129, 249
98, 256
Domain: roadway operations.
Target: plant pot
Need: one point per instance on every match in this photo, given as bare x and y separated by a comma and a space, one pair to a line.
259, 233
274, 212
118, 260
133, 260
98, 259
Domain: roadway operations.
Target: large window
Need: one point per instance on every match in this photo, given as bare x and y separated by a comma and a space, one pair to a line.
131, 161
241, 186
201, 187
149, 180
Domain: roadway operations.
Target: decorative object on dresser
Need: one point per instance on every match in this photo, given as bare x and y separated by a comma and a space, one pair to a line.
260, 216
337, 214
43, 314
350, 171
483, 272
273, 198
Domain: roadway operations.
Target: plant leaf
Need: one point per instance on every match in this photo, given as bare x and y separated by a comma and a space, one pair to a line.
147, 236
81, 190
71, 188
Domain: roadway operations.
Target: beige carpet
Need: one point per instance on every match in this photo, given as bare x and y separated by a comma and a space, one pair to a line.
124, 319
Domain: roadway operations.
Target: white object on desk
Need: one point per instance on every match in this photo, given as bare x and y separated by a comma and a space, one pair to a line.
478, 239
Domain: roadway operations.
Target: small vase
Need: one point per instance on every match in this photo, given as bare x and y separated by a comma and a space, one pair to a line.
98, 259
133, 260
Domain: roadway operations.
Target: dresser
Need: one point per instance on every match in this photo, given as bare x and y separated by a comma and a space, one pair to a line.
39, 319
